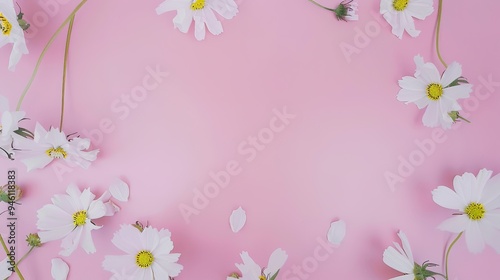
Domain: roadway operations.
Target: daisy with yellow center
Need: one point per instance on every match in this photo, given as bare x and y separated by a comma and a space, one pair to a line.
201, 12
51, 145
147, 254
400, 13
438, 94
477, 200
252, 271
11, 32
70, 218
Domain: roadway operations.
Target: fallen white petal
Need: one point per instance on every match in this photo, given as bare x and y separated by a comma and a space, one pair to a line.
5, 271
336, 233
238, 219
119, 190
59, 270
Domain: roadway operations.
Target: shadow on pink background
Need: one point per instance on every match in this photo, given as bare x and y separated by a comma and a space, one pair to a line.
327, 163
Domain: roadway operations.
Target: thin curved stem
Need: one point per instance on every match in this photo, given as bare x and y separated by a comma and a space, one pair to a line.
66, 51
448, 253
438, 26
319, 5
25, 255
7, 252
42, 55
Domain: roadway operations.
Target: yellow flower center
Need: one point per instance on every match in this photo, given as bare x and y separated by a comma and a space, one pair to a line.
475, 211
400, 5
56, 153
5, 25
80, 218
434, 91
262, 277
198, 5
144, 259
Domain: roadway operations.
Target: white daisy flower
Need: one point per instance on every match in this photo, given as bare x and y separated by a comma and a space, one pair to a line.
9, 124
400, 13
202, 12
53, 144
70, 218
429, 89
11, 32
148, 254
477, 200
252, 271
401, 259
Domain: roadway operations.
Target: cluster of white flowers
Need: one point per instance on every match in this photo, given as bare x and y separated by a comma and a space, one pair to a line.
477, 200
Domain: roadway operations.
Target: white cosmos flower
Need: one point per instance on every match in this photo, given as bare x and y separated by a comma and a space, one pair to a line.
252, 271
147, 255
400, 258
11, 32
70, 218
202, 12
477, 200
53, 144
400, 13
431, 90
9, 123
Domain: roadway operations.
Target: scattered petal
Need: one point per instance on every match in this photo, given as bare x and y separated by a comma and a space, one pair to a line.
119, 190
336, 233
238, 219
59, 270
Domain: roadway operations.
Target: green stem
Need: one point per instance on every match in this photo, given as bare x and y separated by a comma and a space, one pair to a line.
448, 254
438, 26
7, 252
65, 63
319, 5
25, 255
49, 43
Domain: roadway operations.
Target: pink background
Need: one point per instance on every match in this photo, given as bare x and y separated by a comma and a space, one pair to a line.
327, 164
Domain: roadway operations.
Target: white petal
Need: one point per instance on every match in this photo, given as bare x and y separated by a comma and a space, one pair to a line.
458, 92
226, 8
447, 198
455, 224
336, 232
119, 190
397, 261
199, 27
406, 245
276, 261
111, 208
453, 72
237, 219
59, 269
4, 269
213, 25
432, 115
474, 238
426, 70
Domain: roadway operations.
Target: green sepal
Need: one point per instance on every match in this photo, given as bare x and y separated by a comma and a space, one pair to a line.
275, 275
460, 80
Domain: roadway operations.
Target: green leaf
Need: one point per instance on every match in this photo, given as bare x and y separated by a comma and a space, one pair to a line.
275, 275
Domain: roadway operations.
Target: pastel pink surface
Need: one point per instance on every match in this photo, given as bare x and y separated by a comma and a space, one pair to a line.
329, 162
